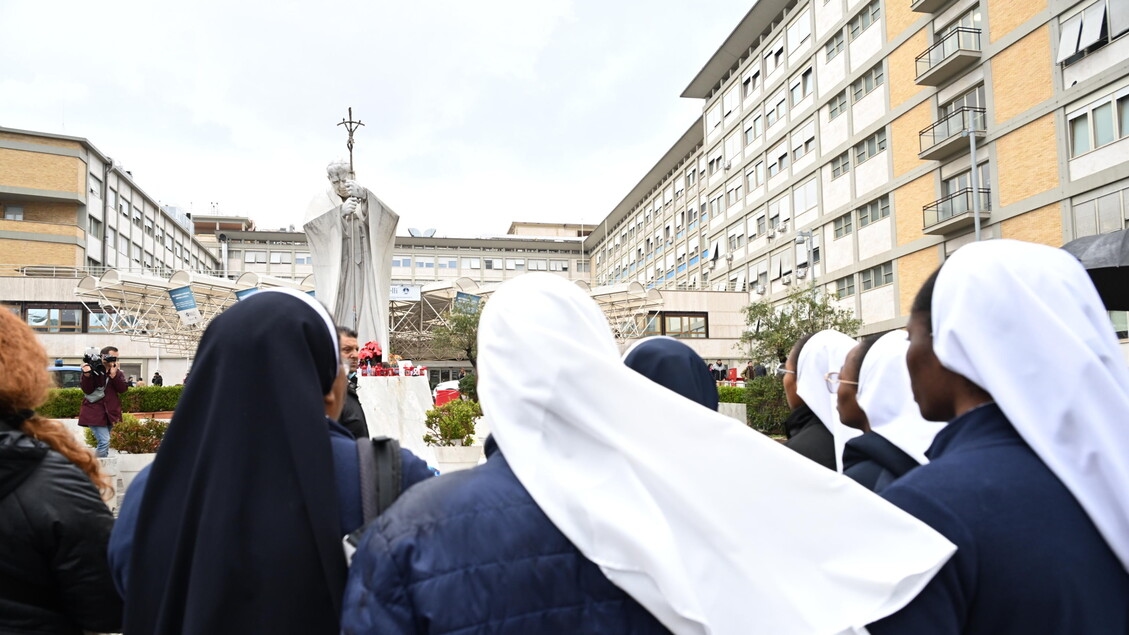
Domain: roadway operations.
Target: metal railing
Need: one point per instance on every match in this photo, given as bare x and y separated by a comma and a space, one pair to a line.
955, 204
956, 122
19, 270
959, 39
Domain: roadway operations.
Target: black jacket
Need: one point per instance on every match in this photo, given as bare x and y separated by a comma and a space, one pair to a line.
352, 416
875, 462
808, 436
53, 533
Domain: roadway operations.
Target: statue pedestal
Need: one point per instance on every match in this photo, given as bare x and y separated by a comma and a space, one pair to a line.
397, 407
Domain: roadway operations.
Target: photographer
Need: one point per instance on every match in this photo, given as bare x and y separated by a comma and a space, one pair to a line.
102, 382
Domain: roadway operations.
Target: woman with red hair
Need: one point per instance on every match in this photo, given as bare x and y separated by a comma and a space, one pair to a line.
54, 525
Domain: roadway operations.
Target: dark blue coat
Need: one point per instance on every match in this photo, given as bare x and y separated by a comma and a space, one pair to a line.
471, 552
346, 470
1029, 560
874, 462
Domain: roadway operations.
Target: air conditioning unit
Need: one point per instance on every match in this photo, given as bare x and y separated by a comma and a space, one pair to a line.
729, 257
782, 227
760, 289
786, 279
801, 273
728, 165
772, 233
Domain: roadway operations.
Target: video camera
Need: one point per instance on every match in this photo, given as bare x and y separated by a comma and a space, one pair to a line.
96, 362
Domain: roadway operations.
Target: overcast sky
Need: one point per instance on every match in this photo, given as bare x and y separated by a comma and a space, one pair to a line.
476, 114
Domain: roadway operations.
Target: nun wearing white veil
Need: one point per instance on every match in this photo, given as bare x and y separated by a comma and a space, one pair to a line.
706, 524
895, 435
805, 387
1010, 343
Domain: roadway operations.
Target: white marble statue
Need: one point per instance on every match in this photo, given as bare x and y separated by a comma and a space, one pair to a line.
351, 235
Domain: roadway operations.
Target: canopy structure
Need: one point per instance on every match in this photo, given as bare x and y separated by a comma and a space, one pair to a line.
625, 306
140, 307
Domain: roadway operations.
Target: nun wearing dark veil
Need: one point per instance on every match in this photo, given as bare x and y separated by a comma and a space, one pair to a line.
673, 365
239, 529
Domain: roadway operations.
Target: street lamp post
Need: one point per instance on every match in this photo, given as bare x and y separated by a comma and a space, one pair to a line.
974, 177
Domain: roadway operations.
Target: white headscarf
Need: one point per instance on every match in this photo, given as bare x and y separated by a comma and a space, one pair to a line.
1024, 322
825, 353
885, 396
712, 527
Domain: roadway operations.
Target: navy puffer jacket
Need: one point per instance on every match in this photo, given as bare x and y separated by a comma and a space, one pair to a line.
471, 552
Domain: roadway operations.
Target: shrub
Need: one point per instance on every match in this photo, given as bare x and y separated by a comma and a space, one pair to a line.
468, 386
731, 394
64, 403
133, 436
766, 407
452, 422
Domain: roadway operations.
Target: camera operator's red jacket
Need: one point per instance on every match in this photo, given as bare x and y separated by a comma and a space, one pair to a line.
108, 410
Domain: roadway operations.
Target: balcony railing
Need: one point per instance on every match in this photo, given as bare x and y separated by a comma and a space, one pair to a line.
954, 52
954, 212
944, 138
926, 6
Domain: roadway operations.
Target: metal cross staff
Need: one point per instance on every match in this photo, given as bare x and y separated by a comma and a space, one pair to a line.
351, 126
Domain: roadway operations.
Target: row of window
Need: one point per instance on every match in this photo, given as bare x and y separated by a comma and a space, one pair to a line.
679, 325
862, 151
61, 317
1099, 124
872, 212
490, 264
868, 279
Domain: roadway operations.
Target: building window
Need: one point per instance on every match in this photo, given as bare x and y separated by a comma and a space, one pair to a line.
280, 257
845, 287
691, 179
60, 318
780, 163
1099, 124
878, 276
1099, 215
870, 146
755, 175
13, 212
583, 266
558, 265
801, 87
754, 126
679, 325
404, 262
714, 165
863, 19
803, 142
751, 82
870, 80
94, 227
537, 265
843, 226
425, 263
873, 211
840, 165
446, 262
98, 322
777, 112
837, 105
252, 257
303, 258
834, 46
515, 264
472, 263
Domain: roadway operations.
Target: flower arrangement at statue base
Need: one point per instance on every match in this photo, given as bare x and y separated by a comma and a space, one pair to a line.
371, 364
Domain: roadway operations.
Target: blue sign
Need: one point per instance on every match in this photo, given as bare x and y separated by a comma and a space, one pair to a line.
185, 304
243, 294
466, 302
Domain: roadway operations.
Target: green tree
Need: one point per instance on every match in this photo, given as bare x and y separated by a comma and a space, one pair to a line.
774, 329
457, 335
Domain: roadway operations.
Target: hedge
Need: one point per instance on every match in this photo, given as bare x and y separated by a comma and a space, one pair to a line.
64, 403
731, 394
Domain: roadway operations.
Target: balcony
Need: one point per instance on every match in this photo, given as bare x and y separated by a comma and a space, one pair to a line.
945, 139
951, 55
954, 212
926, 6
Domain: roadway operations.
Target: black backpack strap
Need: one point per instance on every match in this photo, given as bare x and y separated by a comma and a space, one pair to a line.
380, 470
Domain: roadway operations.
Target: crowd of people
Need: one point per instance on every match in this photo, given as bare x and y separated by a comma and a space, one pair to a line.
936, 479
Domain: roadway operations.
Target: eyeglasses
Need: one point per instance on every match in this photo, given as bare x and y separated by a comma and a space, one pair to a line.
781, 371
832, 380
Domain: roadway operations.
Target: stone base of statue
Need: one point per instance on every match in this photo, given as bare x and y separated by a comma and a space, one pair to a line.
397, 407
